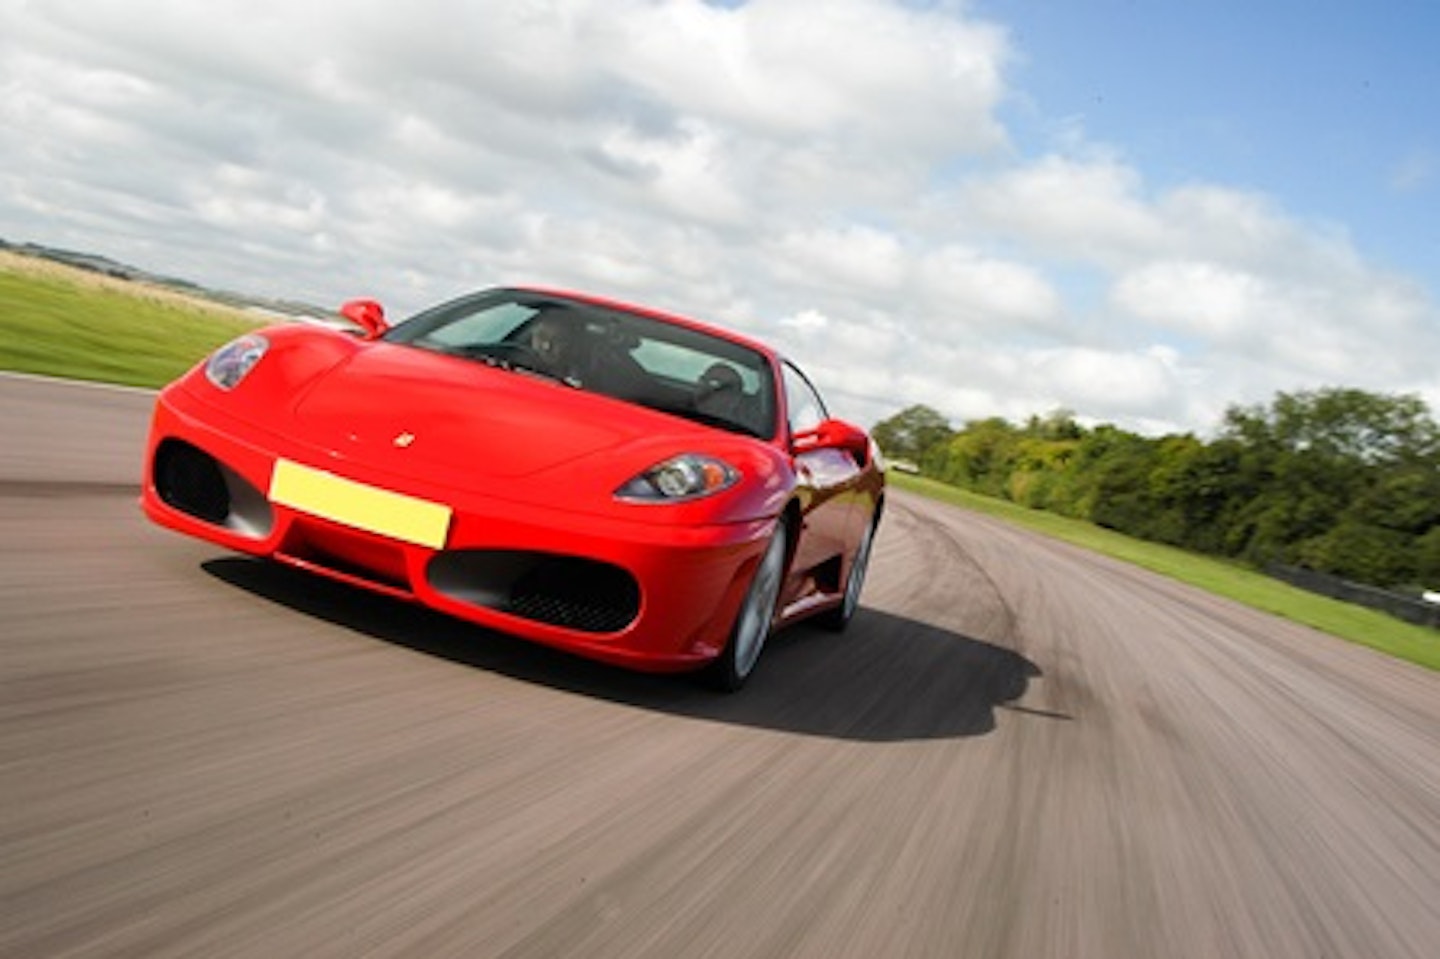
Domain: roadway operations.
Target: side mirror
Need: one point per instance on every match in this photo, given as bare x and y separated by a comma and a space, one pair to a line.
835, 435
369, 315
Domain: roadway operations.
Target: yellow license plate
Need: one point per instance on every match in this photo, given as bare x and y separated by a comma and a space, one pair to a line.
356, 504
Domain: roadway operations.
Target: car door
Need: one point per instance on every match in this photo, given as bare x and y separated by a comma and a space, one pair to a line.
826, 479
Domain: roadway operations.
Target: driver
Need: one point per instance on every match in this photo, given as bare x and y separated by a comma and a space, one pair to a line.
556, 342
721, 394
564, 349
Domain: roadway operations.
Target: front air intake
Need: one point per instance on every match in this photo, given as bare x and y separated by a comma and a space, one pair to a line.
190, 481
195, 483
565, 591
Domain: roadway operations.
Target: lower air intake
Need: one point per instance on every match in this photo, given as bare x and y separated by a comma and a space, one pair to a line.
565, 591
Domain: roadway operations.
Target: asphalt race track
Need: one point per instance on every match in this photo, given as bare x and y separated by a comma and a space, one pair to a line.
1019, 749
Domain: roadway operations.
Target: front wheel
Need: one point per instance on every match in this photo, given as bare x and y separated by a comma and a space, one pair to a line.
756, 619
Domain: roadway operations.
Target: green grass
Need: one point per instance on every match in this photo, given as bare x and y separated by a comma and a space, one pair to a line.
64, 322
1357, 624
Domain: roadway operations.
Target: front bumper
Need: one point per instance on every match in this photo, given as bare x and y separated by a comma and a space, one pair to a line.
639, 594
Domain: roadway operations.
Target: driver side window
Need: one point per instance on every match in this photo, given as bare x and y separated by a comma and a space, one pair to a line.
805, 408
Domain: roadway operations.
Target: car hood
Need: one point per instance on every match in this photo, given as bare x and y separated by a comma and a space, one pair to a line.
404, 409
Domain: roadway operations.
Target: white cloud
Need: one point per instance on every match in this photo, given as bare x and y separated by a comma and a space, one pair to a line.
1089, 211
960, 286
854, 259
1130, 384
807, 321
853, 71
829, 174
1224, 306
686, 171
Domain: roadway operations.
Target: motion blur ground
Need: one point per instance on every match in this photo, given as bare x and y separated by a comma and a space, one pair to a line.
1018, 749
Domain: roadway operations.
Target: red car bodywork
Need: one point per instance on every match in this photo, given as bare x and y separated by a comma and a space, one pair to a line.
491, 495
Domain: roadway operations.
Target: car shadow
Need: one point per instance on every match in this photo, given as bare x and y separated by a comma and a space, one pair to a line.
886, 679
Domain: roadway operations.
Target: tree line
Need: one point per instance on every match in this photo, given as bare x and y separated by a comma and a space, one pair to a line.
1337, 480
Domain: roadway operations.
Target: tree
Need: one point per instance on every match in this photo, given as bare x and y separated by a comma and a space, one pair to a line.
1340, 480
912, 431
1427, 559
1346, 424
1360, 552
1122, 499
979, 457
1058, 424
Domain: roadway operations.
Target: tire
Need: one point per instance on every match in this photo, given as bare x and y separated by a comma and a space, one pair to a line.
756, 619
839, 617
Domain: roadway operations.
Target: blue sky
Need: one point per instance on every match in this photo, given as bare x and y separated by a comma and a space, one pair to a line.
1141, 212
1331, 107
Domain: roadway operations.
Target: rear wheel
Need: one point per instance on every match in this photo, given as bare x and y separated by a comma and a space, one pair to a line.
839, 617
756, 619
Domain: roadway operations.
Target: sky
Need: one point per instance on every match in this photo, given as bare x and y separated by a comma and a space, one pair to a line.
1140, 211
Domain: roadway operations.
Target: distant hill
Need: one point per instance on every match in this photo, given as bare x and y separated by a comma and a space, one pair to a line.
123, 271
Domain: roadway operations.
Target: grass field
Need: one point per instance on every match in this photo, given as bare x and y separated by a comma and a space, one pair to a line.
61, 321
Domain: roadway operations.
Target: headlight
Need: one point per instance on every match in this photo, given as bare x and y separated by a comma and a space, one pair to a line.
230, 364
680, 478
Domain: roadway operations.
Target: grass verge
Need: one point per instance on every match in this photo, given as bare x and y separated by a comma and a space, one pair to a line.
61, 321
1357, 624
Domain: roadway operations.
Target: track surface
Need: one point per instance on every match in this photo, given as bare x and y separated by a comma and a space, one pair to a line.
1019, 749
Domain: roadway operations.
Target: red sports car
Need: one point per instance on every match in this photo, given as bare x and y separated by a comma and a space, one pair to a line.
629, 485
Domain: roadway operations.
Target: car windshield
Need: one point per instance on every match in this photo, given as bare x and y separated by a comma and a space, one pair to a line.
663, 366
